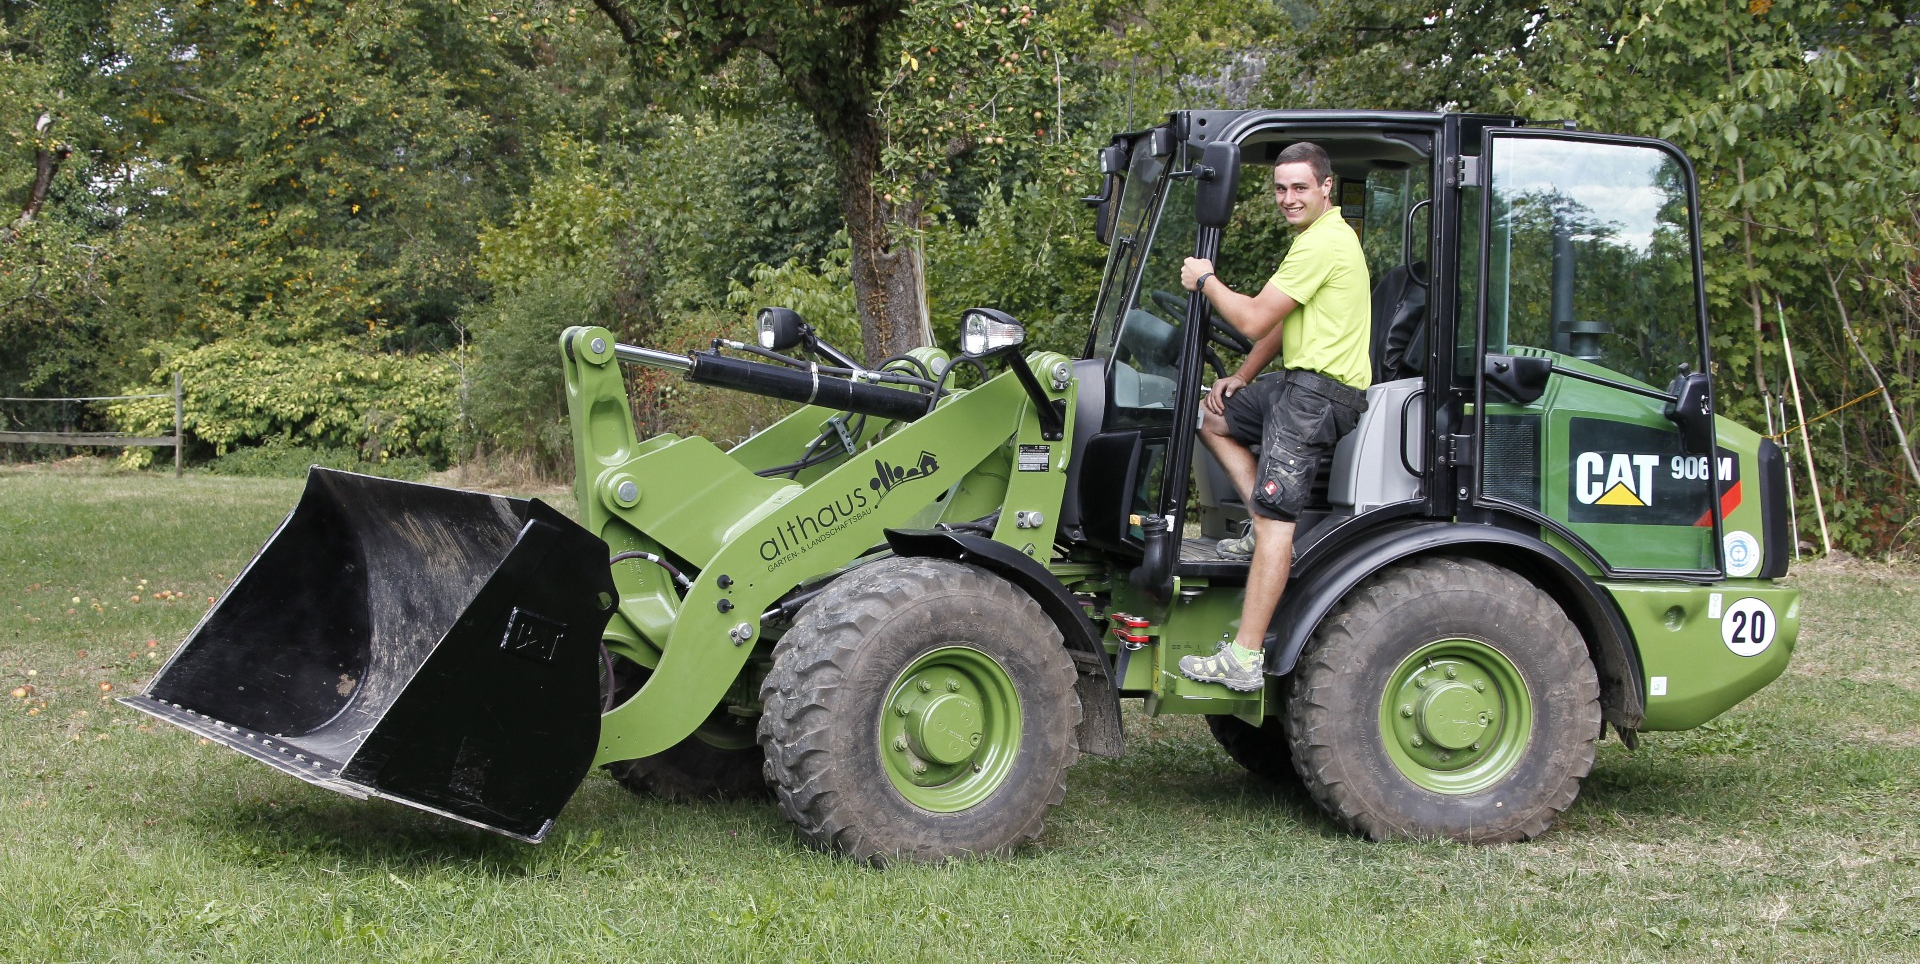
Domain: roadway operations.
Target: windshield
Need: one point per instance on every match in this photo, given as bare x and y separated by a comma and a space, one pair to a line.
1130, 226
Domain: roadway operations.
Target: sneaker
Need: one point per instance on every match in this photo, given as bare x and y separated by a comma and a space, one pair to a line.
1239, 548
1222, 668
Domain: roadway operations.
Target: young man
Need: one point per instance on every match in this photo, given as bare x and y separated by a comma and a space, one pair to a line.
1315, 314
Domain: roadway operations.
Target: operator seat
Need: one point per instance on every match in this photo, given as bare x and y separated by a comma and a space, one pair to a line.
1399, 322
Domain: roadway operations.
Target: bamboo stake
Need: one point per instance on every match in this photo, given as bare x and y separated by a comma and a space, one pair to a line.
1793, 501
1893, 412
1813, 476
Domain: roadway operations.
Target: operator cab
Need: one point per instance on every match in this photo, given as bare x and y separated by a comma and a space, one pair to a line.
1538, 305
1383, 179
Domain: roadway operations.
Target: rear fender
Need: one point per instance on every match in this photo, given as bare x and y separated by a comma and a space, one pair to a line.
1314, 593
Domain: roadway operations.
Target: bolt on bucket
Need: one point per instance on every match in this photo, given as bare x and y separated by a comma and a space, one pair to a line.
434, 647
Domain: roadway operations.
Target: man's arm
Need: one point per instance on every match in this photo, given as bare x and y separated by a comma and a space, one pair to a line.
1254, 316
1263, 353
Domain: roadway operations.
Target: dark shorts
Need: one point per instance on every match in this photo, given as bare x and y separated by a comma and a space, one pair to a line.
1295, 417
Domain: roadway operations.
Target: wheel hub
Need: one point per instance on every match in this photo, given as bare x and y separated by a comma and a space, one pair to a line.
1452, 715
945, 729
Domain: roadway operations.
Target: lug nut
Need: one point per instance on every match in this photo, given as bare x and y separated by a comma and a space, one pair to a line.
1452, 673
919, 767
1418, 741
1406, 710
926, 687
900, 743
953, 686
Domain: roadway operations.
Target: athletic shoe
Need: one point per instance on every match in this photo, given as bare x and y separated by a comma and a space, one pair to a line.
1239, 548
1222, 668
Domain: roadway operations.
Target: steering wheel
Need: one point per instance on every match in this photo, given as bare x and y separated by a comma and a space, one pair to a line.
1218, 331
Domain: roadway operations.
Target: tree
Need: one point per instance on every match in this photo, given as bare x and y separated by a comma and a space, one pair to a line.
899, 94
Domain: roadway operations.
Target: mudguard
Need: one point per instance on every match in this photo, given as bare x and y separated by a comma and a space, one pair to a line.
1314, 594
1099, 732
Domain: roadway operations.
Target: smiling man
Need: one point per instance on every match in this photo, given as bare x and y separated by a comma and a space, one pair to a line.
1314, 314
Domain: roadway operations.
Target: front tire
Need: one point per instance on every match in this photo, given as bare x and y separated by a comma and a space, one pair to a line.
1445, 698
919, 709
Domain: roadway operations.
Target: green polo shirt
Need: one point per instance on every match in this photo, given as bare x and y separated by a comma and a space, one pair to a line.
1325, 273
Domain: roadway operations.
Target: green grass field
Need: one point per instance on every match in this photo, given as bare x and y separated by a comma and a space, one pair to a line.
1787, 830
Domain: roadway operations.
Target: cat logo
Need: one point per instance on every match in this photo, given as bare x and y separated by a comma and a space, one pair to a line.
1617, 479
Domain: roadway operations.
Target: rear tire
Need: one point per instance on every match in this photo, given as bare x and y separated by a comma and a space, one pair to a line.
712, 764
919, 709
1263, 750
1445, 698
720, 761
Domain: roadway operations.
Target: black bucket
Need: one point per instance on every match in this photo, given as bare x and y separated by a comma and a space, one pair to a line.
431, 646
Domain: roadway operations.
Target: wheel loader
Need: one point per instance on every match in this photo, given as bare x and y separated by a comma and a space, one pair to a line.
907, 607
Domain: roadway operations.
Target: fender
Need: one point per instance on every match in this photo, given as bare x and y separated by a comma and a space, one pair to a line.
1313, 594
1099, 730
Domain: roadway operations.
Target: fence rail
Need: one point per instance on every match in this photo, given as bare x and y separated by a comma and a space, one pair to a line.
177, 440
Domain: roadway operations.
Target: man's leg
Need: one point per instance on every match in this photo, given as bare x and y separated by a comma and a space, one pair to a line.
1266, 579
1233, 455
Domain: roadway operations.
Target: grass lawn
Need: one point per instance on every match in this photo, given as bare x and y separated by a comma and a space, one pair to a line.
1787, 830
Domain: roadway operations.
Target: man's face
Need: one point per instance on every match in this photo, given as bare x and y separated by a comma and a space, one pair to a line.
1301, 198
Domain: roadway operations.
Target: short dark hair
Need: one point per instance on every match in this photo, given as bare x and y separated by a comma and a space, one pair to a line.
1311, 154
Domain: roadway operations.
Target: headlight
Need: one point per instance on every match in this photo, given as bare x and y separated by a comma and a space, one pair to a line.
780, 328
983, 330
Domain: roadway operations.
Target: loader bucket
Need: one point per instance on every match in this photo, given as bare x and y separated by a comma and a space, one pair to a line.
431, 646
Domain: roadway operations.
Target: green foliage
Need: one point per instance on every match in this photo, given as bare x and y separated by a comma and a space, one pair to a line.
332, 393
1028, 253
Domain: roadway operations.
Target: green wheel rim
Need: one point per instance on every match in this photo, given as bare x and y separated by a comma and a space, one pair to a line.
1456, 716
950, 729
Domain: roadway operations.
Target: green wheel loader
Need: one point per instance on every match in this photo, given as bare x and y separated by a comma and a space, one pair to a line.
907, 608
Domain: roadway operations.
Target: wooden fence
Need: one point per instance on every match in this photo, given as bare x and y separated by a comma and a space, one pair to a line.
177, 439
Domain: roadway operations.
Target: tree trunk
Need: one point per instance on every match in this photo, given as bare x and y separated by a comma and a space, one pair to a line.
886, 274
46, 163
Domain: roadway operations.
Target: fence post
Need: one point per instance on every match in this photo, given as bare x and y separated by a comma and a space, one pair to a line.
179, 413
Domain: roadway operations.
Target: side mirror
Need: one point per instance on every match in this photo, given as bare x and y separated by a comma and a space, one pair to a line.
1521, 378
1219, 176
1692, 410
780, 328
